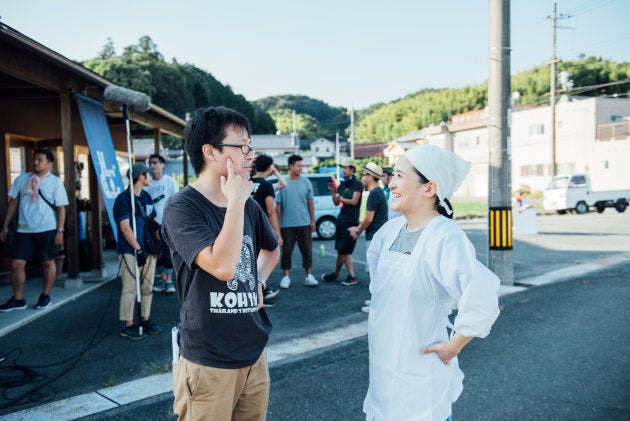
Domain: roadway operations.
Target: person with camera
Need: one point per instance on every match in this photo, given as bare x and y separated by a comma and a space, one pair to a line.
131, 246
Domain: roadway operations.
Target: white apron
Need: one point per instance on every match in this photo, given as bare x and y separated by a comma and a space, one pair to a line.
406, 316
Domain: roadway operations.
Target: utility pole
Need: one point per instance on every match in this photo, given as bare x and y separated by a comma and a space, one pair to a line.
351, 132
552, 88
552, 94
500, 258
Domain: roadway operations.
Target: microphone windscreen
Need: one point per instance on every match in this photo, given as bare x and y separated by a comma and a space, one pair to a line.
132, 99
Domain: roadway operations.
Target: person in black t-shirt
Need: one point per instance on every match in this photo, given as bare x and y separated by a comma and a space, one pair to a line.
347, 195
264, 193
223, 249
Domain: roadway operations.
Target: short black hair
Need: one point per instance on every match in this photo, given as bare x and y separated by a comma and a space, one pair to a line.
46, 152
208, 127
158, 157
263, 162
294, 158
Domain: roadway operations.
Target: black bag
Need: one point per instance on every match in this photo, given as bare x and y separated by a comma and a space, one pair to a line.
153, 238
152, 233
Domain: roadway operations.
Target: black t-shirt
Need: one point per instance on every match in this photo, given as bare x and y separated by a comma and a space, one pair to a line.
261, 189
220, 324
350, 214
376, 202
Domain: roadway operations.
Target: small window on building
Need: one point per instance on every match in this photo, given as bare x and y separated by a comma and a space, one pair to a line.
606, 165
536, 129
616, 118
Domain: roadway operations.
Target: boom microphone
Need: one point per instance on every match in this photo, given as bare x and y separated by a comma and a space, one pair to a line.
132, 99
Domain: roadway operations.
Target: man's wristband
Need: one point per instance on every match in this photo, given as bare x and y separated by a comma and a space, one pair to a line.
263, 282
61, 230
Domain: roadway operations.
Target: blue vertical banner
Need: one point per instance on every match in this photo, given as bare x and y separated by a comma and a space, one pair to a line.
102, 152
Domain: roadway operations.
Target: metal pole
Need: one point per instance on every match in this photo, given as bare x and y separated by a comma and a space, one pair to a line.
500, 259
351, 132
552, 93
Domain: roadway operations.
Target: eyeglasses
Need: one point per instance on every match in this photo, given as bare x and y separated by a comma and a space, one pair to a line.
244, 148
364, 174
154, 162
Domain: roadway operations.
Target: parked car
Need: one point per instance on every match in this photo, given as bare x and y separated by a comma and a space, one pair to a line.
325, 210
574, 192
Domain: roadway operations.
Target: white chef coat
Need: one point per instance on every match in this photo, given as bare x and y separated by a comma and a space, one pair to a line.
412, 296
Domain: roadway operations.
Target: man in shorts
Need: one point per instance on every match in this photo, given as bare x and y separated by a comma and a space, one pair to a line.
348, 195
42, 199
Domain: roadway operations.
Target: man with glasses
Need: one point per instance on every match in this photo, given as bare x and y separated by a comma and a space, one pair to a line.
223, 249
347, 195
296, 212
161, 188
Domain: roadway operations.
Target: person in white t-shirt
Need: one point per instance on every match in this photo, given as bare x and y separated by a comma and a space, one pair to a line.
162, 187
41, 200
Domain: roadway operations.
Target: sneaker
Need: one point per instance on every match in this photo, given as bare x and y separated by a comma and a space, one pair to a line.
367, 303
270, 293
285, 282
132, 332
365, 309
329, 277
43, 302
13, 304
150, 328
310, 281
158, 286
170, 288
268, 303
350, 280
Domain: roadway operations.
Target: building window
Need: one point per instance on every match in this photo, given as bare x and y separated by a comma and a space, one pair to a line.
616, 118
606, 165
536, 129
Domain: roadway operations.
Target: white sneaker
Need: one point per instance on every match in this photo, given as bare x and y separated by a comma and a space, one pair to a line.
365, 309
367, 303
310, 281
285, 282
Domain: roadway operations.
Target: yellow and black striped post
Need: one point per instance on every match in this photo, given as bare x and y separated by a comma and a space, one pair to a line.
500, 226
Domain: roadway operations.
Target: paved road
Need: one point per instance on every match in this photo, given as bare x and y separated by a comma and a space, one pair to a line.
76, 349
557, 352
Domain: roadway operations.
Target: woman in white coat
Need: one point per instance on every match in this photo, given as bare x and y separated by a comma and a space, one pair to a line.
420, 264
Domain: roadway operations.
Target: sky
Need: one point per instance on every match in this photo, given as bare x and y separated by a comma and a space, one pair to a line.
349, 53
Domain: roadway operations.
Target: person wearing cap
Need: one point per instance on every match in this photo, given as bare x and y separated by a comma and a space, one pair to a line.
421, 264
131, 246
348, 196
40, 199
385, 179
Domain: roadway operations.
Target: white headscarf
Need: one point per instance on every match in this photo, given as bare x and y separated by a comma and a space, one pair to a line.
441, 166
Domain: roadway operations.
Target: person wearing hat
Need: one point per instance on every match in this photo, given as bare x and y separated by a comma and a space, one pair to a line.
420, 265
385, 179
131, 245
348, 196
376, 207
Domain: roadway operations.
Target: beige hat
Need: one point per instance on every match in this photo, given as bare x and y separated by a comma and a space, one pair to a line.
373, 169
348, 162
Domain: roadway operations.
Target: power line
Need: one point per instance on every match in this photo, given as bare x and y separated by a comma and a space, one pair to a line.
588, 7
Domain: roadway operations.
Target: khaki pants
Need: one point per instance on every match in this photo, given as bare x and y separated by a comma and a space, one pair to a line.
219, 394
128, 293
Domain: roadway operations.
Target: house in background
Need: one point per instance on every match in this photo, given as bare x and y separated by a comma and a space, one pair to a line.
322, 148
592, 136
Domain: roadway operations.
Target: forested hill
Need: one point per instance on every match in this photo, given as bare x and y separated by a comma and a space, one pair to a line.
178, 88
383, 122
181, 88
